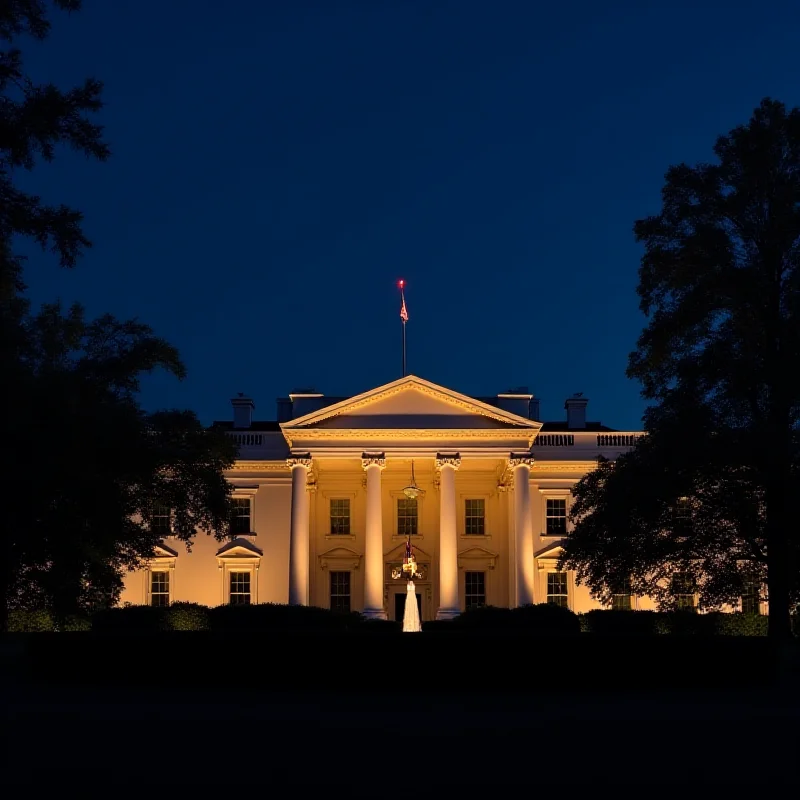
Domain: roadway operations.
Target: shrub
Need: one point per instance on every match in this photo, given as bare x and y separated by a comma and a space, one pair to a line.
483, 618
185, 617
379, 626
546, 618
275, 616
619, 623
128, 619
73, 623
39, 621
543, 618
737, 624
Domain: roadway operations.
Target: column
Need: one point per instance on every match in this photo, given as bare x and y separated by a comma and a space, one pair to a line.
523, 526
299, 533
449, 606
374, 578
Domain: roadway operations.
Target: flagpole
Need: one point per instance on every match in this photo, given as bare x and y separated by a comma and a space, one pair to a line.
404, 319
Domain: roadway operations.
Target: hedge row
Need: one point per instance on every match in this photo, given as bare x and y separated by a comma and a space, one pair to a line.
541, 619
195, 617
645, 623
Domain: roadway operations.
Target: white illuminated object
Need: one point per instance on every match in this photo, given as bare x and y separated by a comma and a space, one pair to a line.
412, 491
411, 621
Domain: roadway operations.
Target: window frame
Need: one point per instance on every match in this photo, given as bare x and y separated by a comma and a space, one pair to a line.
466, 500
403, 499
349, 595
151, 594
234, 571
242, 499
566, 593
468, 594
754, 596
627, 598
165, 531
331, 516
679, 597
564, 494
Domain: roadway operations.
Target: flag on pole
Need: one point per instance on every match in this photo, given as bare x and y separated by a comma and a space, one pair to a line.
403, 311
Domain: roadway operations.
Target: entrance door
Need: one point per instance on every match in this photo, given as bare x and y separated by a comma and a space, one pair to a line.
400, 604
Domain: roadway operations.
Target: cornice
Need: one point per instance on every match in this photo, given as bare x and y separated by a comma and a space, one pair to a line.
563, 466
260, 466
409, 434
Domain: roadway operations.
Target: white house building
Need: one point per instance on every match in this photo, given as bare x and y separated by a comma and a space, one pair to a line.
322, 515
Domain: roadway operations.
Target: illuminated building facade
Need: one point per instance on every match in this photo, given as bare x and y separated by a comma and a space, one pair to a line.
322, 517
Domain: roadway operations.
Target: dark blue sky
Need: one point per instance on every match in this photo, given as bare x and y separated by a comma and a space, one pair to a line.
277, 166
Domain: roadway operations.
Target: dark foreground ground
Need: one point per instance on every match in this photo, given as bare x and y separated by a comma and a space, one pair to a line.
422, 726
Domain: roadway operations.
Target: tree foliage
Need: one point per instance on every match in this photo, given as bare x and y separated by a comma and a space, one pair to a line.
35, 119
83, 465
719, 282
78, 508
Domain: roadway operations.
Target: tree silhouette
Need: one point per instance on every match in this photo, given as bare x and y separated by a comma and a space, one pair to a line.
720, 284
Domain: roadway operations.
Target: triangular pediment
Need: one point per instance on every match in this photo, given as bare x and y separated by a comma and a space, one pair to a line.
551, 551
410, 403
239, 548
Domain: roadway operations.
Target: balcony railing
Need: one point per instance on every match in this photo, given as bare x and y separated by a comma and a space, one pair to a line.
617, 439
247, 439
554, 440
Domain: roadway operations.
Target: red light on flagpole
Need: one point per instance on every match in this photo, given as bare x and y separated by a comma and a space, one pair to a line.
402, 284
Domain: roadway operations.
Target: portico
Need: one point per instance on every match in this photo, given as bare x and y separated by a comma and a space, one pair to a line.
463, 447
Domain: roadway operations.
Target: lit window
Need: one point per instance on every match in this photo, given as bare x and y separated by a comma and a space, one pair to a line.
340, 517
162, 519
621, 598
557, 589
475, 517
340, 591
556, 509
240, 589
159, 588
240, 516
407, 516
474, 589
683, 589
751, 597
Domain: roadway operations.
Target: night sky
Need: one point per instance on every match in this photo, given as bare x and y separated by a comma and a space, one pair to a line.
278, 166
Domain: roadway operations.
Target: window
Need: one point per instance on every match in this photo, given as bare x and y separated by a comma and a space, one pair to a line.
475, 517
240, 589
407, 516
621, 596
682, 514
556, 510
240, 517
683, 589
340, 591
751, 597
159, 588
162, 519
340, 517
557, 589
474, 589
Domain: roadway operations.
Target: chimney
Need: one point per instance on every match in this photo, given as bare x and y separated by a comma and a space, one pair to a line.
576, 411
517, 401
533, 412
284, 409
242, 411
304, 401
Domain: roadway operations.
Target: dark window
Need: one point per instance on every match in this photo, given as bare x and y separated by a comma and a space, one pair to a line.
340, 517
683, 589
682, 514
621, 598
475, 517
240, 589
407, 516
474, 589
556, 516
557, 589
751, 597
240, 519
159, 588
340, 591
162, 519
